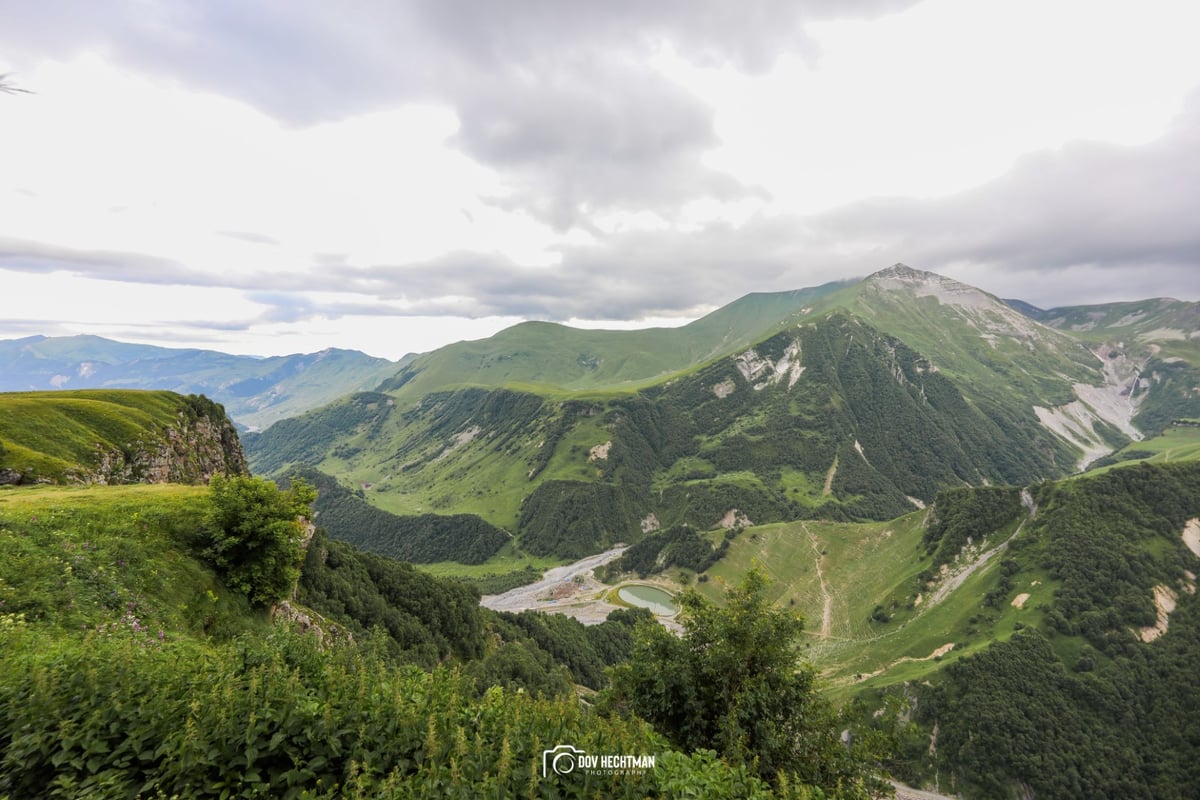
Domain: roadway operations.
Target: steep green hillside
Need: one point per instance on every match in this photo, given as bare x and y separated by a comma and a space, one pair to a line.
421, 539
981, 343
116, 436
849, 401
255, 391
1045, 642
829, 418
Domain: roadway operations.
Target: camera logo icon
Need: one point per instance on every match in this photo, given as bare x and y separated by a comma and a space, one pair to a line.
561, 760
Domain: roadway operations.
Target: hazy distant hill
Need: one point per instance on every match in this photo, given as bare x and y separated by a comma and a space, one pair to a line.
254, 391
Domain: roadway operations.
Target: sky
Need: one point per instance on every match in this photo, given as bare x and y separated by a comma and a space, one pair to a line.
278, 176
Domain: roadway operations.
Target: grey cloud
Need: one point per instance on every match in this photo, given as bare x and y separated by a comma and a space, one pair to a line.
592, 138
750, 34
20, 255
1086, 206
250, 236
558, 95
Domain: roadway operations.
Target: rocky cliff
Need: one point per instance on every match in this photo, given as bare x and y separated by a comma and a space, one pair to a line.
190, 451
113, 437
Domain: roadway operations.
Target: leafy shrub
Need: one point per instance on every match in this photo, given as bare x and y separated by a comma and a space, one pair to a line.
280, 717
734, 684
255, 535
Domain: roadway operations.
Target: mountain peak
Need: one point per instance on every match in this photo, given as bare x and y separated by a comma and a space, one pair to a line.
925, 284
899, 270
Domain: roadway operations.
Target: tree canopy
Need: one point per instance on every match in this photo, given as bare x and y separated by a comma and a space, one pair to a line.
255, 538
734, 683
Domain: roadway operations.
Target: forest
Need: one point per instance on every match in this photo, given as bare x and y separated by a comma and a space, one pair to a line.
1078, 704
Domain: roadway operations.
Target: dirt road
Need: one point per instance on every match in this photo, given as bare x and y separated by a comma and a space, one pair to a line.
570, 590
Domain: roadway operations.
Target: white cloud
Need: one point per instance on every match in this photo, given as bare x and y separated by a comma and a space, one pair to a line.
379, 181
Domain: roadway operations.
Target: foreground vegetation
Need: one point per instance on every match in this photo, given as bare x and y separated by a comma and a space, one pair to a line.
135, 660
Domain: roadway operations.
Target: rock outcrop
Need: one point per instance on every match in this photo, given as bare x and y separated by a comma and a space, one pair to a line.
192, 450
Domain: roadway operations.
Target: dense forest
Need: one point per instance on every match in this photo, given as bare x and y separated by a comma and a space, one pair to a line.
415, 618
1085, 703
421, 539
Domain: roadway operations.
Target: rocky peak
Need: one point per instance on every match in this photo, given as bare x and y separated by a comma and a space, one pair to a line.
902, 272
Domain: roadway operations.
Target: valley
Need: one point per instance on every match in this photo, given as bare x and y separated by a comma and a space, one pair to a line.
980, 513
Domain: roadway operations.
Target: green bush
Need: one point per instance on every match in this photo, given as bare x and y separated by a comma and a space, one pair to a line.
255, 538
734, 684
280, 717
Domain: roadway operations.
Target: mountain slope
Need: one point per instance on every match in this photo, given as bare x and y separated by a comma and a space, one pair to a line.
853, 400
117, 436
548, 357
1042, 641
826, 418
1158, 341
254, 391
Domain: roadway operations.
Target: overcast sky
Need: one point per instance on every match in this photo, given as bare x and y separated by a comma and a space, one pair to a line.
391, 176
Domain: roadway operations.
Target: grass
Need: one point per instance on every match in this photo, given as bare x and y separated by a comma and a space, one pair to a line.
113, 559
1179, 443
509, 559
869, 567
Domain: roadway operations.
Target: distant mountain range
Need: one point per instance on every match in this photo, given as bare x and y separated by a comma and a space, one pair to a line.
254, 391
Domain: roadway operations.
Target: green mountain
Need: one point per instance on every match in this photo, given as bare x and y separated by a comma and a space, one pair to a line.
849, 401
546, 357
117, 436
1037, 642
254, 391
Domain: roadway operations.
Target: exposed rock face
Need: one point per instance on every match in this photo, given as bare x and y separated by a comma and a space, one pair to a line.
190, 451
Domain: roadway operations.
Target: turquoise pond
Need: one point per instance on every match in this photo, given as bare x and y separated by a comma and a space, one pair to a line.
649, 597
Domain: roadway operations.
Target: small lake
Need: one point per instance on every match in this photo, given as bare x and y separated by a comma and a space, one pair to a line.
658, 601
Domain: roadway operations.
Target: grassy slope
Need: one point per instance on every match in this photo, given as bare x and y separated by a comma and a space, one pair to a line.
866, 565
103, 557
544, 357
51, 432
988, 348
863, 566
1180, 443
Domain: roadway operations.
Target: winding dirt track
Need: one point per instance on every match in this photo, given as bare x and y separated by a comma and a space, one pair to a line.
827, 606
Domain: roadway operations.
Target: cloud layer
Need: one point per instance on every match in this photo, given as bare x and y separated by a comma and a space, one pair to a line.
555, 160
